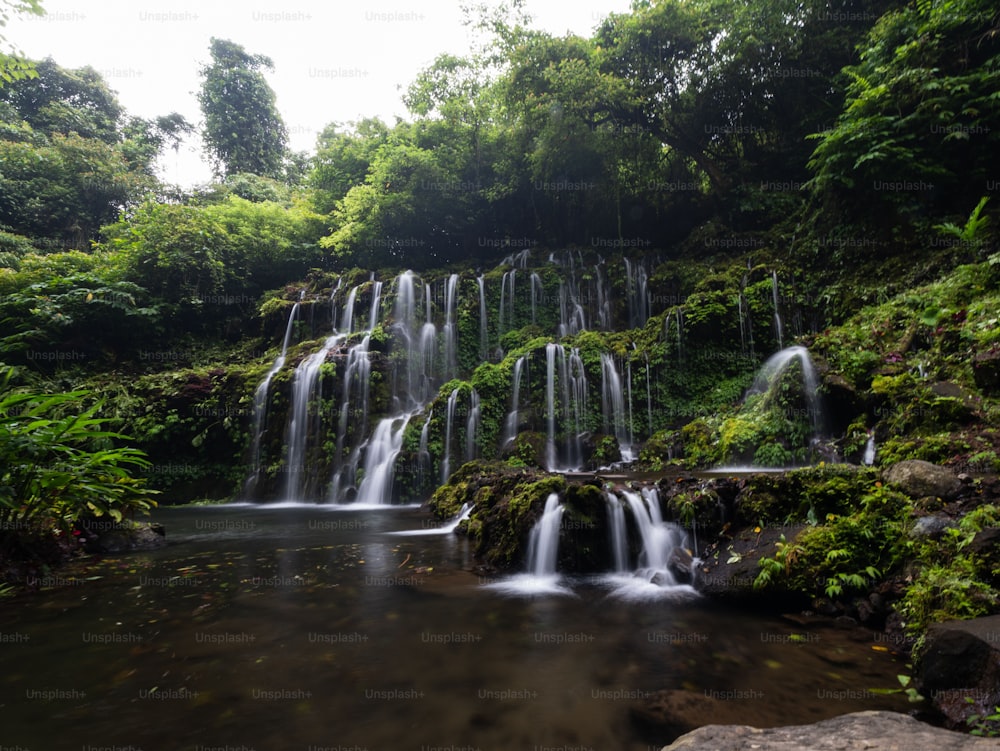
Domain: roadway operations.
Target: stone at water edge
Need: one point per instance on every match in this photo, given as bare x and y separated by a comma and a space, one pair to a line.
960, 660
870, 731
918, 478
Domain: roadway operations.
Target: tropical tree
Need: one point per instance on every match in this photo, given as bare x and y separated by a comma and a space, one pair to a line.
13, 66
243, 131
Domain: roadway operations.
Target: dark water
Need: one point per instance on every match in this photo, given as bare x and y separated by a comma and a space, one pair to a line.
307, 628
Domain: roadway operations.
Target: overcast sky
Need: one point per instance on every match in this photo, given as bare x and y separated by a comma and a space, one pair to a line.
335, 61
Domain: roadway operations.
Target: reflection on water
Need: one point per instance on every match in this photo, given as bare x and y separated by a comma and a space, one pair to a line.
310, 627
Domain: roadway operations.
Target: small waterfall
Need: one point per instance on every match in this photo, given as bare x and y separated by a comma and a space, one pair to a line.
550, 405
357, 379
472, 426
572, 318
543, 545
506, 311
658, 539
613, 406
302, 423
512, 422
450, 331
260, 407
573, 405
869, 457
484, 345
380, 456
446, 529
423, 454
603, 299
536, 296
449, 422
778, 330
617, 531
770, 373
637, 295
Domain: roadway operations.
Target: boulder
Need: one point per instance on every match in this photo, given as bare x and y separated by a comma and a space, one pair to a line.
123, 537
958, 668
918, 478
986, 371
872, 731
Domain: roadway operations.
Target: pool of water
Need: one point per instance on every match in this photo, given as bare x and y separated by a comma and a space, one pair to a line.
311, 627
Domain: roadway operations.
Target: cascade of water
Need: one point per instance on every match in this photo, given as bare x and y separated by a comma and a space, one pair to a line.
483, 336
380, 456
536, 295
637, 294
603, 299
572, 318
616, 528
449, 421
550, 404
506, 312
301, 424
543, 544
357, 379
472, 426
450, 331
658, 539
770, 375
333, 302
869, 457
511, 424
631, 419
778, 331
573, 379
423, 454
613, 405
406, 386
260, 407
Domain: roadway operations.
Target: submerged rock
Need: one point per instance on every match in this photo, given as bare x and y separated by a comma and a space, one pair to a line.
872, 731
123, 537
918, 478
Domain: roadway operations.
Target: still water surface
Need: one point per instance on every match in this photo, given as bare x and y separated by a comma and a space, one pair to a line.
310, 627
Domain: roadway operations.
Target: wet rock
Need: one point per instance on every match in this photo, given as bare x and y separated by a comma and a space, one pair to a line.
122, 537
958, 668
918, 478
730, 566
872, 731
930, 526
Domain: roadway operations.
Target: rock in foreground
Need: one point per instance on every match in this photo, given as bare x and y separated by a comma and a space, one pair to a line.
871, 731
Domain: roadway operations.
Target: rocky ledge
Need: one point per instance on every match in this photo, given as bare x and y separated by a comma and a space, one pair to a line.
871, 731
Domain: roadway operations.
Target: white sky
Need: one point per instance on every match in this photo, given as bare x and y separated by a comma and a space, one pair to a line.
334, 61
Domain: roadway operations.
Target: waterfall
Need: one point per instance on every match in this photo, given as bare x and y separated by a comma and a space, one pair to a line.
770, 375
637, 294
380, 455
572, 319
778, 331
536, 295
483, 335
869, 456
613, 406
450, 331
603, 299
357, 379
260, 407
301, 424
449, 421
658, 539
617, 531
543, 544
550, 405
423, 454
472, 426
512, 422
446, 529
506, 302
